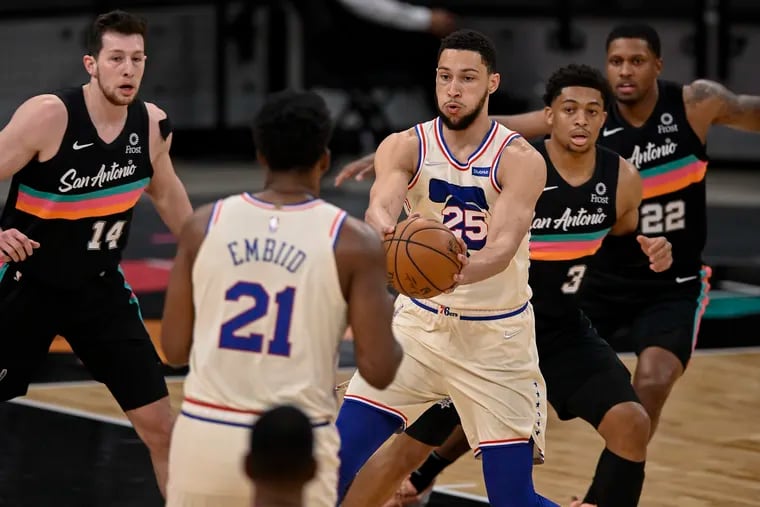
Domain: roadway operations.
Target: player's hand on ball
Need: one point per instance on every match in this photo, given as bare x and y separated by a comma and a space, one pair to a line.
659, 250
15, 246
464, 260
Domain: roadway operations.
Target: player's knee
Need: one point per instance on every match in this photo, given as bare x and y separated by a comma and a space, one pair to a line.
657, 370
625, 428
153, 423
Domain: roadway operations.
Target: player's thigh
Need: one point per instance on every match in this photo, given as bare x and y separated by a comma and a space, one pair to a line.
115, 346
28, 320
671, 324
418, 379
206, 463
584, 376
495, 381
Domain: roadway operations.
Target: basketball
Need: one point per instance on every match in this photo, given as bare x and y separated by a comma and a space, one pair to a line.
421, 258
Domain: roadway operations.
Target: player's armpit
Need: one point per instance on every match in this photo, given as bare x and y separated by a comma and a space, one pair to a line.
361, 267
179, 313
628, 199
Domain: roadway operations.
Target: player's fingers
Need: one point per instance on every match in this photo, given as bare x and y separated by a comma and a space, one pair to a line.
463, 259
365, 172
10, 251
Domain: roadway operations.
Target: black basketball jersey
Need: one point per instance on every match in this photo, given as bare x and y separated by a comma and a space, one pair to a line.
568, 228
78, 205
672, 162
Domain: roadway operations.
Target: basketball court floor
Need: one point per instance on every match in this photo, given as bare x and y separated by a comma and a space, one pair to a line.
67, 444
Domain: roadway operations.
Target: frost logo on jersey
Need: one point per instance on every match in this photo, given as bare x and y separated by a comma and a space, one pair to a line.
568, 220
70, 180
133, 148
666, 124
651, 153
599, 197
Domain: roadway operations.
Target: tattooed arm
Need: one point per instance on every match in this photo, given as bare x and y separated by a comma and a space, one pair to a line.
713, 103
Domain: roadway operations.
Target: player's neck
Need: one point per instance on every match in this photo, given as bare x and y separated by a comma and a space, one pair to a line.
470, 138
289, 187
102, 112
637, 113
575, 168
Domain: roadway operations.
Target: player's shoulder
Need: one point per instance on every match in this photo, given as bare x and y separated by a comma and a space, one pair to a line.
520, 149
629, 179
45, 108
155, 113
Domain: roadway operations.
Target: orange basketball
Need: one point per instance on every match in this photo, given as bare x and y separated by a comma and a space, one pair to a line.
421, 258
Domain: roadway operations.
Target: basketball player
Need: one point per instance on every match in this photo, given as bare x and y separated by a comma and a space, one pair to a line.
80, 159
476, 344
661, 128
258, 300
280, 459
590, 192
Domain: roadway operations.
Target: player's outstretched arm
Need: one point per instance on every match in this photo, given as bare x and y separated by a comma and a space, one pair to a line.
395, 162
361, 265
522, 176
716, 104
528, 125
179, 312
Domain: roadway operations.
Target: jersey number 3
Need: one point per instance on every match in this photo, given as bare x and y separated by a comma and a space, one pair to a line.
279, 344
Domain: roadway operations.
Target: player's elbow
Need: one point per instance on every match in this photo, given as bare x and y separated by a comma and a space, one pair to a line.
379, 369
176, 350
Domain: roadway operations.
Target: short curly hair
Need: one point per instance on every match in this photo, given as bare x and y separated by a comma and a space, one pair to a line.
576, 75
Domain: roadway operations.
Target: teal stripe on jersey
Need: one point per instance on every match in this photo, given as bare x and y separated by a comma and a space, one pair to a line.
84, 197
584, 236
670, 166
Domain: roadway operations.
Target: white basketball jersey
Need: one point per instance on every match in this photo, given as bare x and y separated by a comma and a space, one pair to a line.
461, 194
269, 310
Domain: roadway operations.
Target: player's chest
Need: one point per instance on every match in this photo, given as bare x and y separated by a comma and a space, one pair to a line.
563, 209
662, 139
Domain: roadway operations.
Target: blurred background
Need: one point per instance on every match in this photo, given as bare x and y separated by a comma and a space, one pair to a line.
211, 63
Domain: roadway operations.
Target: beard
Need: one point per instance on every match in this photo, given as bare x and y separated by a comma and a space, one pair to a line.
464, 121
113, 98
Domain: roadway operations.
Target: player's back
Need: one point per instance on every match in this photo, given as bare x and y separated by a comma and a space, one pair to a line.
269, 310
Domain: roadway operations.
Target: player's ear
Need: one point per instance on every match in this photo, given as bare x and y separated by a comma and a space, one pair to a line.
494, 79
324, 161
247, 466
260, 159
549, 115
89, 65
313, 466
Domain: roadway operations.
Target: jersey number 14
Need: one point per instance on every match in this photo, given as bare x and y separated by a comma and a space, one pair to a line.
112, 236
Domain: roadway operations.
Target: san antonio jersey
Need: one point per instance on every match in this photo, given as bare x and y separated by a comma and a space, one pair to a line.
672, 162
568, 228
